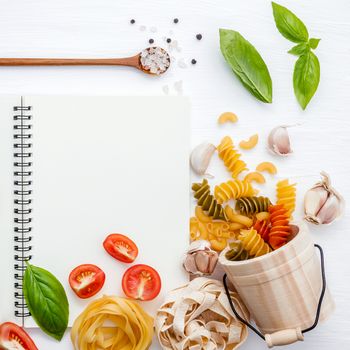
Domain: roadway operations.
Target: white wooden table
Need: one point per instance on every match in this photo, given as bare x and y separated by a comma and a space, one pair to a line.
100, 28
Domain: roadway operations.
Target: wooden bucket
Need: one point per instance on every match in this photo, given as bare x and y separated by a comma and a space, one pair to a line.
283, 289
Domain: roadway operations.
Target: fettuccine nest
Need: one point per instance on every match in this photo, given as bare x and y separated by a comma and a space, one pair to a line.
112, 323
198, 317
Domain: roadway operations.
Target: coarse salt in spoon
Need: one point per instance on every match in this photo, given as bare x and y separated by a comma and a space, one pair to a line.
152, 60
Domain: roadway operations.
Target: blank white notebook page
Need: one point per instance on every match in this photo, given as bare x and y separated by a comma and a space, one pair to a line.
106, 165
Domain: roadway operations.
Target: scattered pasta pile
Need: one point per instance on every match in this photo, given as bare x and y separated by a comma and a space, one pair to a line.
113, 323
232, 214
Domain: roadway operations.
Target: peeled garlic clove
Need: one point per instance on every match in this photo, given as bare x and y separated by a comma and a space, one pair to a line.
201, 156
322, 203
279, 142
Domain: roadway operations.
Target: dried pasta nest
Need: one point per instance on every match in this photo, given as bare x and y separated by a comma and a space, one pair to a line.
198, 316
112, 323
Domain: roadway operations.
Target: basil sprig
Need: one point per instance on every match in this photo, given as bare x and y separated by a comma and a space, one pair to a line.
46, 300
306, 75
247, 64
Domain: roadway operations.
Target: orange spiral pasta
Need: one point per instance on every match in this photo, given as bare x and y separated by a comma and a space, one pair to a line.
286, 195
280, 229
231, 157
253, 243
233, 189
263, 228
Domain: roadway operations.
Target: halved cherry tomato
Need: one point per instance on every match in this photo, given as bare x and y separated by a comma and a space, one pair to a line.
121, 247
15, 337
141, 282
86, 280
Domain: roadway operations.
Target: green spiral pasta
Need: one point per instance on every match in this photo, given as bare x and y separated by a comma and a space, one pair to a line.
236, 252
207, 201
252, 205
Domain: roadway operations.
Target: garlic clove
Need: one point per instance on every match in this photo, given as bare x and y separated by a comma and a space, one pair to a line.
314, 199
322, 203
202, 261
200, 258
190, 264
201, 156
330, 211
279, 142
198, 245
214, 257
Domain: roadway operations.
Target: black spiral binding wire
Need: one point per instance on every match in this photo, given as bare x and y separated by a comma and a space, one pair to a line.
22, 201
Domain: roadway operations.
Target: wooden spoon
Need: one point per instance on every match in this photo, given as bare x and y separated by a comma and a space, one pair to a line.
153, 60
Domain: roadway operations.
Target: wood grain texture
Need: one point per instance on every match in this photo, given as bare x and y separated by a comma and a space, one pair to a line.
100, 28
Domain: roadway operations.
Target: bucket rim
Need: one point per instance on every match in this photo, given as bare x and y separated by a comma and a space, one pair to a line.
302, 229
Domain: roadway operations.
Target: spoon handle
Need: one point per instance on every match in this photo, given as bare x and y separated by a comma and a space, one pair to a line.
128, 61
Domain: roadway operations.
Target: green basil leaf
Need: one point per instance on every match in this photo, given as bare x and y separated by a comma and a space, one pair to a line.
314, 43
300, 49
289, 25
306, 78
46, 300
247, 64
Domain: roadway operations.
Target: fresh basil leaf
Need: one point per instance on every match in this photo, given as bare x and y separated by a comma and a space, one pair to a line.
300, 49
247, 64
289, 25
46, 300
314, 43
306, 78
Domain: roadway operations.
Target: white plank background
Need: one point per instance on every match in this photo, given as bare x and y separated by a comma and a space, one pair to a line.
100, 28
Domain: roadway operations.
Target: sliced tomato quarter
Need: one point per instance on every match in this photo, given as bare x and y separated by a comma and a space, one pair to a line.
141, 282
121, 247
15, 337
86, 280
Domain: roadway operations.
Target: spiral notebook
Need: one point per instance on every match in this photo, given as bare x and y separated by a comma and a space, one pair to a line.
75, 169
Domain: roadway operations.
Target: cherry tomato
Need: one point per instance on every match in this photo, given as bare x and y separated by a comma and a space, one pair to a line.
141, 282
15, 337
121, 247
86, 280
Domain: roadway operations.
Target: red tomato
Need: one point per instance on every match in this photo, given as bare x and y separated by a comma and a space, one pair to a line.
86, 280
121, 247
15, 337
141, 282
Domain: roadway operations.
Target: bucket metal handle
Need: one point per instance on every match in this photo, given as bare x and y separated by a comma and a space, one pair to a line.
287, 336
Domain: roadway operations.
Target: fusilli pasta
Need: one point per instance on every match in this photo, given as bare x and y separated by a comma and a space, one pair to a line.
233, 189
253, 243
231, 157
207, 201
280, 229
252, 205
236, 252
263, 228
286, 195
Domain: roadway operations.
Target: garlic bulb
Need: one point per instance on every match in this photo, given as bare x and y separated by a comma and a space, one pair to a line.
322, 203
201, 156
279, 142
200, 259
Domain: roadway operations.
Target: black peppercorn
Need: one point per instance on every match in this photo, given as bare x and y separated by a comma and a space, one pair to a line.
168, 40
176, 20
151, 41
193, 61
199, 36
132, 21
